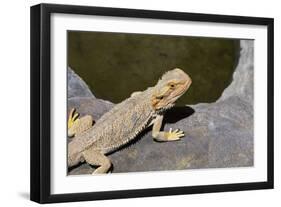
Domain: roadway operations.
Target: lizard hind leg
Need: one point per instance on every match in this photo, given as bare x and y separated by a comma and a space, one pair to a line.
78, 125
94, 157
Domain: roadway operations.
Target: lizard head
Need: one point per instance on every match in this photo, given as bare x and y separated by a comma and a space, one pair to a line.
169, 88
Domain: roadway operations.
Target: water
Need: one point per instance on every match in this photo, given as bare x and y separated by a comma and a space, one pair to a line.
116, 64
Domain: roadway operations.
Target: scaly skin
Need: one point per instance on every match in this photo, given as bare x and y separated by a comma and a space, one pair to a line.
127, 119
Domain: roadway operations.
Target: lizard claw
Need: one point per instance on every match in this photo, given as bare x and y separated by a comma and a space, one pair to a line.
73, 117
78, 125
174, 135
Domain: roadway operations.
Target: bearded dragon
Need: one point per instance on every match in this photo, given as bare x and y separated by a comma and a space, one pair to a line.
126, 120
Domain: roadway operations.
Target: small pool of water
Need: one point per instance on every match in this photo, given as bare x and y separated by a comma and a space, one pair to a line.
116, 64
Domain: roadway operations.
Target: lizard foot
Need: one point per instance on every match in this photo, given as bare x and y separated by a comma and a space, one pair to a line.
72, 117
78, 125
174, 135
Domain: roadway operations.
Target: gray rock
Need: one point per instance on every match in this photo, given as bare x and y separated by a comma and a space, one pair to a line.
89, 105
242, 84
217, 135
76, 87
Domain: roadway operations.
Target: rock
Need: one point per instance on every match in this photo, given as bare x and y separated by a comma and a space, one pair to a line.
242, 84
217, 135
76, 87
89, 105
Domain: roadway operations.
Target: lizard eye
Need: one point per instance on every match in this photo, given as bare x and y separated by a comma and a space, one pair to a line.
172, 85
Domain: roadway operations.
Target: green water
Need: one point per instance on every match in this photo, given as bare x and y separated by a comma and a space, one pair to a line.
115, 64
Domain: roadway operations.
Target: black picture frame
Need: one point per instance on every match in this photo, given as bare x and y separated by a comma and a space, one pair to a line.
41, 99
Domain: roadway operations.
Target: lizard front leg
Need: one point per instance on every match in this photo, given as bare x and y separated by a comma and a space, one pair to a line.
95, 157
162, 135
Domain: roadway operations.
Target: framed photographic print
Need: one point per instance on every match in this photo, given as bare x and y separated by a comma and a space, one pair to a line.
132, 103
